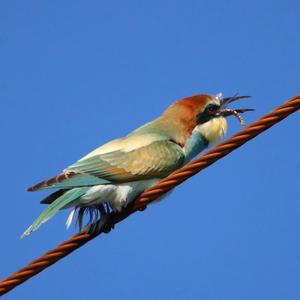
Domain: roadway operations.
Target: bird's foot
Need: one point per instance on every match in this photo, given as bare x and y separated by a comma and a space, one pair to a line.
143, 208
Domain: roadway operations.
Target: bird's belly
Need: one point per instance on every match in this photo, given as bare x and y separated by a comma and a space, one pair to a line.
116, 195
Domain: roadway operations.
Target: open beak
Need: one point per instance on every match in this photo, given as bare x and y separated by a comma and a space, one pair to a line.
225, 112
226, 101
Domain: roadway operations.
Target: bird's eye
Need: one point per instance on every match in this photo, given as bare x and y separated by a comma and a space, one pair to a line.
212, 108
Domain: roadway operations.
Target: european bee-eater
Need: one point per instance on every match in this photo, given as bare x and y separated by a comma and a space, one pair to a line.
116, 173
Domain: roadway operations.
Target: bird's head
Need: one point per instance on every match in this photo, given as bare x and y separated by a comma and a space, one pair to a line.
206, 114
216, 107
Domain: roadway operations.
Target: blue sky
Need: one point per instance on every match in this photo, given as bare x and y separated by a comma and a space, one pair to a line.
75, 74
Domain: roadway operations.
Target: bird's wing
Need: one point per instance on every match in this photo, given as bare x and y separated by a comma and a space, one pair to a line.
154, 160
132, 158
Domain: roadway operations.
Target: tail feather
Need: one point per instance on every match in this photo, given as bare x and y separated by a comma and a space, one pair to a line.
55, 206
52, 197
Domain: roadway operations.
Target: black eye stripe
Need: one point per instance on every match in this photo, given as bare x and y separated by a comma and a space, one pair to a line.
208, 113
212, 107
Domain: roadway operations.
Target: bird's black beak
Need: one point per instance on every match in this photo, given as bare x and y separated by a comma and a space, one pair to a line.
226, 101
225, 112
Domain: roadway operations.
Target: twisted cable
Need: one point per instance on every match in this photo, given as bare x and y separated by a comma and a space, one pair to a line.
148, 196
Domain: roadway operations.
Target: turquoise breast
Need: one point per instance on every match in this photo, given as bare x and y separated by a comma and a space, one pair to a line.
194, 145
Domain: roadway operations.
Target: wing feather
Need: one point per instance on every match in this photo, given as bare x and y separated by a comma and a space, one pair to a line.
155, 160
132, 158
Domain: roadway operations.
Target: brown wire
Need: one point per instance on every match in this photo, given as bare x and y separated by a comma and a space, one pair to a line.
153, 193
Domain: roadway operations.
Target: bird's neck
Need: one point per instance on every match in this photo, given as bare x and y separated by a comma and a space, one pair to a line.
205, 135
194, 145
174, 130
192, 140
213, 131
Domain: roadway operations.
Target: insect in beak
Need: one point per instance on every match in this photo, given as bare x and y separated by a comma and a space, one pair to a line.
225, 112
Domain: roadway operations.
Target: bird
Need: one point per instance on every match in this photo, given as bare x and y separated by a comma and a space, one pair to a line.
113, 175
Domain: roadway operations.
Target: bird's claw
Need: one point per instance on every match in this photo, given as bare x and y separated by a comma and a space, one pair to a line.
142, 208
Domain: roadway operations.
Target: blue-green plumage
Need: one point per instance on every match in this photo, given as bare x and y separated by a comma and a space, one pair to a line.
61, 202
194, 145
